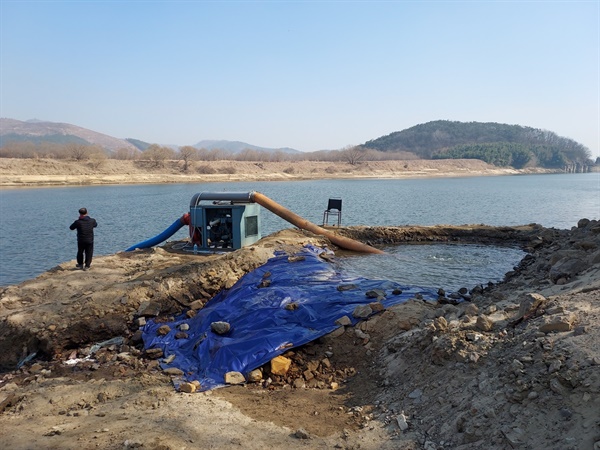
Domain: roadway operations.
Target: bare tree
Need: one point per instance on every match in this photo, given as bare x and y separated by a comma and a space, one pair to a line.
78, 152
125, 153
353, 155
187, 154
97, 160
157, 154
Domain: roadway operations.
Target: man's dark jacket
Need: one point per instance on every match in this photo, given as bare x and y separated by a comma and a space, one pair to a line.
85, 229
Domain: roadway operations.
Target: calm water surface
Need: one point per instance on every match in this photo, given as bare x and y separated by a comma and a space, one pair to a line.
34, 233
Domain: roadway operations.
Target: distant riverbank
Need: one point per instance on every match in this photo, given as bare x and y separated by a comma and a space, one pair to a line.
51, 172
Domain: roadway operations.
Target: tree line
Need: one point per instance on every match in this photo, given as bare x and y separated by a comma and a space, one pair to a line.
157, 155
505, 154
516, 146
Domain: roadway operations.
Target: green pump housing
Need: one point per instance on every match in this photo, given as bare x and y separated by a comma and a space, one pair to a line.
224, 220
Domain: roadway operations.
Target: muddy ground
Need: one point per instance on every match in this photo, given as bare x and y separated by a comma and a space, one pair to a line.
508, 365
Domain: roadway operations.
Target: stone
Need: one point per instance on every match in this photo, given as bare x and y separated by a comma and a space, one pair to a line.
402, 422
554, 366
556, 387
299, 383
376, 307
361, 334
375, 293
196, 305
280, 365
441, 324
530, 303
234, 378
220, 327
173, 371
566, 268
471, 310
163, 330
154, 353
557, 324
264, 283
344, 321
149, 309
184, 327
188, 388
582, 223
255, 376
181, 335
301, 434
362, 311
417, 393
335, 333
346, 287
484, 323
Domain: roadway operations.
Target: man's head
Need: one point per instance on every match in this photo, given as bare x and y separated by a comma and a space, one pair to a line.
83, 211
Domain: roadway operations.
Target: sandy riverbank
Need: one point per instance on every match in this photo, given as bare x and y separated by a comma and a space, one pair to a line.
516, 366
49, 172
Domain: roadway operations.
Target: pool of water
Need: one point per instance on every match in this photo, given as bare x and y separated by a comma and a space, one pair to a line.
446, 266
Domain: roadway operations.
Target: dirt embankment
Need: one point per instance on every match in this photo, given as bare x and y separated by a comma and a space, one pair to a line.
517, 365
48, 172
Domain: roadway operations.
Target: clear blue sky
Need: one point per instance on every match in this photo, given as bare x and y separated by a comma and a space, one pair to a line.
309, 75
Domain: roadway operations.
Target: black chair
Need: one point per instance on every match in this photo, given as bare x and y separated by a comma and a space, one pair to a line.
334, 207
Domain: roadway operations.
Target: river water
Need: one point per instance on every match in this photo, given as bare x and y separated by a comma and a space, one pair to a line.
34, 233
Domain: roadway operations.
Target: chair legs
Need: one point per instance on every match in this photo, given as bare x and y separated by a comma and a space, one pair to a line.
326, 217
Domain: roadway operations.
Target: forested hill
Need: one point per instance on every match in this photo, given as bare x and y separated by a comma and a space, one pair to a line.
495, 143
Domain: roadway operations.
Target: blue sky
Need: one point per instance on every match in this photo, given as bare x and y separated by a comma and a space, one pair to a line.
309, 75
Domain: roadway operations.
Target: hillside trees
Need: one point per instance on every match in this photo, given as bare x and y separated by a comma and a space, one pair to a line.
499, 154
496, 143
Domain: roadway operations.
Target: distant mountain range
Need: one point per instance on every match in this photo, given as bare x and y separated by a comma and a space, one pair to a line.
237, 147
496, 143
38, 131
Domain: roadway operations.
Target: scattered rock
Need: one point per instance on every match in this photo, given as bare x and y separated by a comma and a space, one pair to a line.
362, 311
220, 327
344, 321
234, 378
280, 365
301, 434
163, 330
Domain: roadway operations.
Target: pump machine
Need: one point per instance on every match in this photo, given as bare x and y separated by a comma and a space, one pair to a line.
224, 220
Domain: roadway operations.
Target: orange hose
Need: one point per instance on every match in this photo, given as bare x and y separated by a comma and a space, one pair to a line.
295, 219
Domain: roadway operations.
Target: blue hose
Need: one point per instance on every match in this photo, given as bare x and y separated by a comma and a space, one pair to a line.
174, 228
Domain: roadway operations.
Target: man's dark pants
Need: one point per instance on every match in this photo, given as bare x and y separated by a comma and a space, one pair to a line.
88, 249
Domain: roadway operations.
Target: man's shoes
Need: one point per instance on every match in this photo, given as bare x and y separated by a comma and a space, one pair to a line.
79, 266
86, 268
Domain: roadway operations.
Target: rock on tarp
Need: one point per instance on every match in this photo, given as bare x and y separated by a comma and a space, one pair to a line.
285, 303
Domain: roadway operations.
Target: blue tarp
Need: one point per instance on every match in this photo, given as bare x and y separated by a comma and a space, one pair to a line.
261, 325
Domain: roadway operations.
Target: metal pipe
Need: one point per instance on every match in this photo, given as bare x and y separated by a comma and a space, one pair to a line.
295, 219
241, 197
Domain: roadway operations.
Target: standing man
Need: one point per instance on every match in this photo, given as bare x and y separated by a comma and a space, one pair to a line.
85, 238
